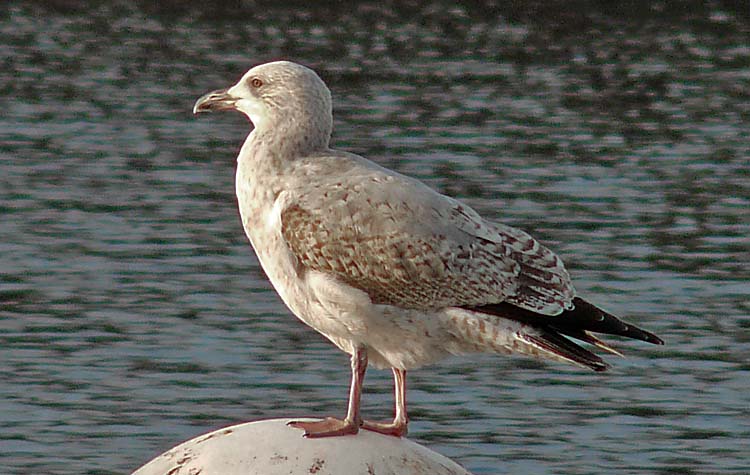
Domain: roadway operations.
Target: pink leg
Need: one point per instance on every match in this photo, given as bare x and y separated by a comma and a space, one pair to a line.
331, 426
398, 427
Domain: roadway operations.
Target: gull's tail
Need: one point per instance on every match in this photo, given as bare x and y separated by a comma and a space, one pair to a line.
550, 332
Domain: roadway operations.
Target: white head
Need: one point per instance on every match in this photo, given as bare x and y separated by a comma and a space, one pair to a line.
280, 96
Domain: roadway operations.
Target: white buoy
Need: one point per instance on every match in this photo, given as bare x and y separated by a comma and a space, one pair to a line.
270, 447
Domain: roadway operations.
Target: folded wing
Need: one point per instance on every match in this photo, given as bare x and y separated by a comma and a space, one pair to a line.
406, 245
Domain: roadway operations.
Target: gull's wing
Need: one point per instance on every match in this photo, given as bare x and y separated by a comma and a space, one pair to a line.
404, 244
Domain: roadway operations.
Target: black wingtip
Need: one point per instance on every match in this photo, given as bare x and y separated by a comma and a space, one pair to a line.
575, 323
584, 316
588, 316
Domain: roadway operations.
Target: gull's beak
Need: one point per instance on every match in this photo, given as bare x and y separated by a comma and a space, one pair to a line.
219, 100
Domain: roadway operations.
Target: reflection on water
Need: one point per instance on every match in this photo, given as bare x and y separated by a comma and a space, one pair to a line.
134, 314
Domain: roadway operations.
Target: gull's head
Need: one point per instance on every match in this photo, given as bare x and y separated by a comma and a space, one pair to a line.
276, 94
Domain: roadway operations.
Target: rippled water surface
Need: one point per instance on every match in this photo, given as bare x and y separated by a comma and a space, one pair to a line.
133, 312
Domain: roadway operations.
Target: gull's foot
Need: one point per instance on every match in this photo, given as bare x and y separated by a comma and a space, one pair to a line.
395, 428
328, 427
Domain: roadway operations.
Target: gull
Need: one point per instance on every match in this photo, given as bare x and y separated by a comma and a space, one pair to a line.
389, 270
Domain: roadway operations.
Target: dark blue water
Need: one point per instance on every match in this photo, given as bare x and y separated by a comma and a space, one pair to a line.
134, 315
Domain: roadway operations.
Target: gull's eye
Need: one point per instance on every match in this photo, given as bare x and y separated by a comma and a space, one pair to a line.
256, 83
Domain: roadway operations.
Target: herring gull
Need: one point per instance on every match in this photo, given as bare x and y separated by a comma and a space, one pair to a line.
386, 268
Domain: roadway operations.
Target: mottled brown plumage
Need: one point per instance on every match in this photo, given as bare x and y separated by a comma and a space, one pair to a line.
408, 246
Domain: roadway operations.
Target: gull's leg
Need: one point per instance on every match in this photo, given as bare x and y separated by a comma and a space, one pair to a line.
398, 426
331, 426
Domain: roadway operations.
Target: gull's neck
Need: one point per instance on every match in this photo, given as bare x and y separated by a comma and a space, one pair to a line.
273, 150
306, 130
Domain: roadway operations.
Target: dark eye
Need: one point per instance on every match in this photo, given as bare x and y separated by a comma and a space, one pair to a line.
255, 82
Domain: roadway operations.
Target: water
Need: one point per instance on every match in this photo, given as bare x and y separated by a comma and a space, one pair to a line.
134, 314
